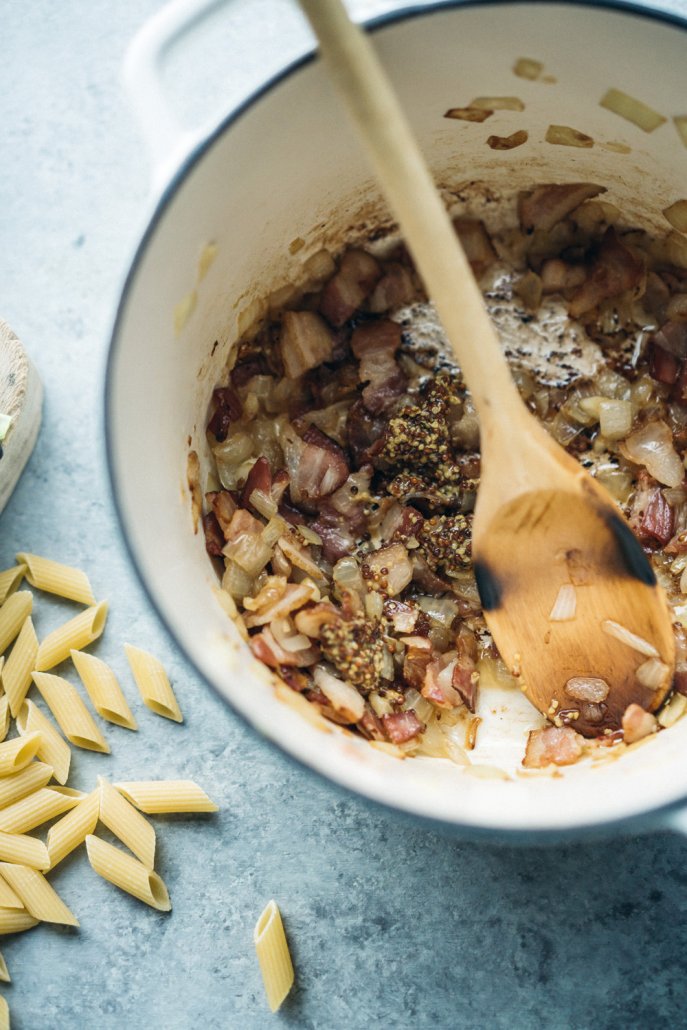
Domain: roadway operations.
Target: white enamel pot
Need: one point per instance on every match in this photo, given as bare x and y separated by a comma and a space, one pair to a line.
285, 167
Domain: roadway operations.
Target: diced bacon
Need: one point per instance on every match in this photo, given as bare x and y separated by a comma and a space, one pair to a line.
476, 243
375, 346
663, 365
356, 278
427, 580
545, 206
465, 681
615, 270
371, 725
552, 745
672, 337
242, 524
259, 478
393, 290
316, 465
223, 507
402, 726
401, 523
651, 517
214, 538
390, 567
419, 654
228, 409
337, 538
342, 516
305, 342
401, 615
637, 723
437, 685
365, 432
244, 371
265, 647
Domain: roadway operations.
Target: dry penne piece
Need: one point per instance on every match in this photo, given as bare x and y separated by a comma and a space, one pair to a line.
55, 578
23, 850
53, 749
103, 689
40, 899
127, 823
4, 716
127, 873
4, 1013
153, 683
13, 614
10, 580
157, 796
67, 833
79, 632
19, 784
37, 808
16, 753
273, 954
16, 673
14, 920
8, 899
4, 973
71, 714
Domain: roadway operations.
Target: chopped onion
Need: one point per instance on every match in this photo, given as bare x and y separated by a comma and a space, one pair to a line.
565, 136
263, 504
343, 698
652, 446
671, 712
677, 215
652, 673
443, 609
310, 536
284, 633
615, 418
587, 688
394, 559
625, 636
374, 605
631, 109
565, 604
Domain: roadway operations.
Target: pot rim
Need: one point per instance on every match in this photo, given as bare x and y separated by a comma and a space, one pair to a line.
655, 816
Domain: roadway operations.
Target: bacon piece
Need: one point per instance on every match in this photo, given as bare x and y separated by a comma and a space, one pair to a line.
437, 685
337, 539
242, 524
615, 270
316, 465
375, 345
244, 371
419, 654
365, 433
223, 507
545, 206
393, 290
305, 342
371, 725
356, 278
214, 538
228, 409
427, 580
651, 517
390, 567
552, 745
342, 516
259, 478
637, 723
402, 616
402, 726
672, 336
664, 367
265, 647
476, 243
465, 681
401, 523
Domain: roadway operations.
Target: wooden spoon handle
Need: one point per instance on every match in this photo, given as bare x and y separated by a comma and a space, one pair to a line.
417, 206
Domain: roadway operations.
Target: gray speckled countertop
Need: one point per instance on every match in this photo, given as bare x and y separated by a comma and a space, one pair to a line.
391, 925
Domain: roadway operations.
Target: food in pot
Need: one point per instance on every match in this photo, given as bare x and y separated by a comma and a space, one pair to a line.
347, 463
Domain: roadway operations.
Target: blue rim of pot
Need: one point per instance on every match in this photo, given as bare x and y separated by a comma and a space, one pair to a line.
654, 818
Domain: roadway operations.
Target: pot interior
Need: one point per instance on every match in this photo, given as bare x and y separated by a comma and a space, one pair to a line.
279, 181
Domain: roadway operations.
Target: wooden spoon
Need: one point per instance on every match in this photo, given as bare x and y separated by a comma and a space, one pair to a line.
541, 522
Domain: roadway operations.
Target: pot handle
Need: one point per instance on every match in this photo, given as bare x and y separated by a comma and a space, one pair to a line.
168, 140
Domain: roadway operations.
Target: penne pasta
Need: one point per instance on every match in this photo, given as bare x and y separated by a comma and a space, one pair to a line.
54, 578
8, 899
10, 580
103, 689
14, 920
19, 784
53, 749
16, 673
37, 808
40, 899
4, 716
13, 614
156, 796
79, 632
4, 1013
71, 714
273, 956
67, 833
4, 975
16, 753
127, 873
126, 823
24, 850
153, 683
